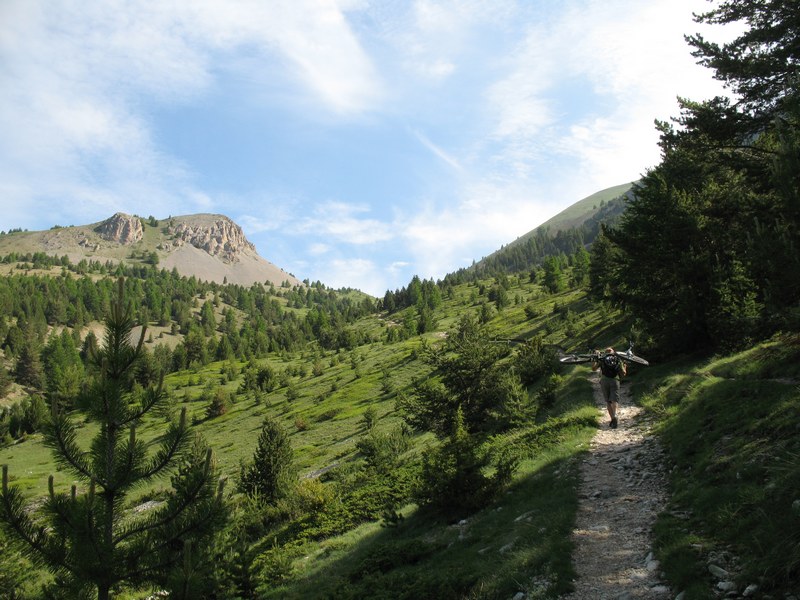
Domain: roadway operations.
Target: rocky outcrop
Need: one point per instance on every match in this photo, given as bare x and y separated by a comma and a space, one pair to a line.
217, 235
122, 229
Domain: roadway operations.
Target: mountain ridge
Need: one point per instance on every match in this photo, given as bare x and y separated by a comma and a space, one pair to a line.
210, 247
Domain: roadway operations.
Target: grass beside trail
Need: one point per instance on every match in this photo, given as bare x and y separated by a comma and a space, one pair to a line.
520, 543
732, 429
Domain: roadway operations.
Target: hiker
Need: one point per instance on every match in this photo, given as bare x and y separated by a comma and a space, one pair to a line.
612, 369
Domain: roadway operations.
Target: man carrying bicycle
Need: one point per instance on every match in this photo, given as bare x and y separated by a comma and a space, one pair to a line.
612, 369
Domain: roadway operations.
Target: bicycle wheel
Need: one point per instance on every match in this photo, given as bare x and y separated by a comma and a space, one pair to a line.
630, 357
571, 359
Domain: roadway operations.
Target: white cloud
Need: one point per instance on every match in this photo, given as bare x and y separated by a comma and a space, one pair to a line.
357, 273
341, 222
490, 215
318, 249
77, 79
621, 64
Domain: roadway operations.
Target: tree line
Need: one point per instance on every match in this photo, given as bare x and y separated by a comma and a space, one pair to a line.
706, 253
46, 344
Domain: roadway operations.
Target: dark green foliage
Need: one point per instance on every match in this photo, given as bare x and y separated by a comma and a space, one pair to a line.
534, 360
580, 267
85, 540
22, 418
370, 418
5, 380
218, 402
603, 267
270, 475
761, 64
29, 371
554, 280
499, 296
15, 572
63, 369
453, 479
473, 393
382, 450
421, 294
707, 248
471, 378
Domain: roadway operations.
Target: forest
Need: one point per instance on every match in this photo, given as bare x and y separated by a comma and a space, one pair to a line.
168, 437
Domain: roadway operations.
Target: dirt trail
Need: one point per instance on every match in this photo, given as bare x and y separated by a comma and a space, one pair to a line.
623, 488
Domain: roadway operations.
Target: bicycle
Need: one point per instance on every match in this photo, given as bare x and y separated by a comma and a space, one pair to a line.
595, 355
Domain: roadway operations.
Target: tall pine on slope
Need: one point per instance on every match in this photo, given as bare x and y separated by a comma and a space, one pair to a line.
84, 536
708, 246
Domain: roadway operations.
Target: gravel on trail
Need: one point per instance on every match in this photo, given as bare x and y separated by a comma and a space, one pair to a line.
623, 488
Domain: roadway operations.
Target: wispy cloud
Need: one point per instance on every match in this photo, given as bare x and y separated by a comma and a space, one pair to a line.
584, 87
342, 222
293, 117
78, 82
438, 151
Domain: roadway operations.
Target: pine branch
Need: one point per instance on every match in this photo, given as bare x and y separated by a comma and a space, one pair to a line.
37, 543
175, 439
209, 515
172, 513
61, 436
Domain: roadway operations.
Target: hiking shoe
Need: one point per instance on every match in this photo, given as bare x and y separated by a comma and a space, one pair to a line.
614, 423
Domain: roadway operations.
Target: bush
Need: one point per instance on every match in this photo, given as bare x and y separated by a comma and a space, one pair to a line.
546, 396
534, 360
272, 566
218, 406
382, 450
452, 480
369, 418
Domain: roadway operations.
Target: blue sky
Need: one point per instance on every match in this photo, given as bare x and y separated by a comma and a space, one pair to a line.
357, 142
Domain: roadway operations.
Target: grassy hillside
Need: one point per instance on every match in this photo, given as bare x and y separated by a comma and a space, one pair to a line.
729, 424
576, 214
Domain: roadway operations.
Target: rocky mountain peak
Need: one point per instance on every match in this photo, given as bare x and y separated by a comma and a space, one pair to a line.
215, 234
122, 229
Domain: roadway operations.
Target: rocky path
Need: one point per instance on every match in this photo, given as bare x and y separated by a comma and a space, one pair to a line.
623, 489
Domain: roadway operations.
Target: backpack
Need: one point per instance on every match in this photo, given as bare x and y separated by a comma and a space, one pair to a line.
610, 365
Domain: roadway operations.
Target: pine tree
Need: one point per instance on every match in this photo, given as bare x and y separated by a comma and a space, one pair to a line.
84, 536
271, 474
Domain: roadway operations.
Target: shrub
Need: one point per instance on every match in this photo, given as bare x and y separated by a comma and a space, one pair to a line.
273, 566
452, 480
546, 396
370, 418
218, 406
534, 361
382, 450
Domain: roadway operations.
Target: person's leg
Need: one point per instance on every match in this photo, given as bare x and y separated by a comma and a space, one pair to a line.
607, 385
613, 405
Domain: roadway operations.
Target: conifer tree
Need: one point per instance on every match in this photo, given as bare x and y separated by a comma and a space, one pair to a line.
83, 536
271, 474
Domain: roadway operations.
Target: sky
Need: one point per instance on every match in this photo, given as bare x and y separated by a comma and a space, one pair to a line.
356, 142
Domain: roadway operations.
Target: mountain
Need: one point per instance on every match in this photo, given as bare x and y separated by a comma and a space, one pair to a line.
575, 227
584, 216
585, 210
208, 246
